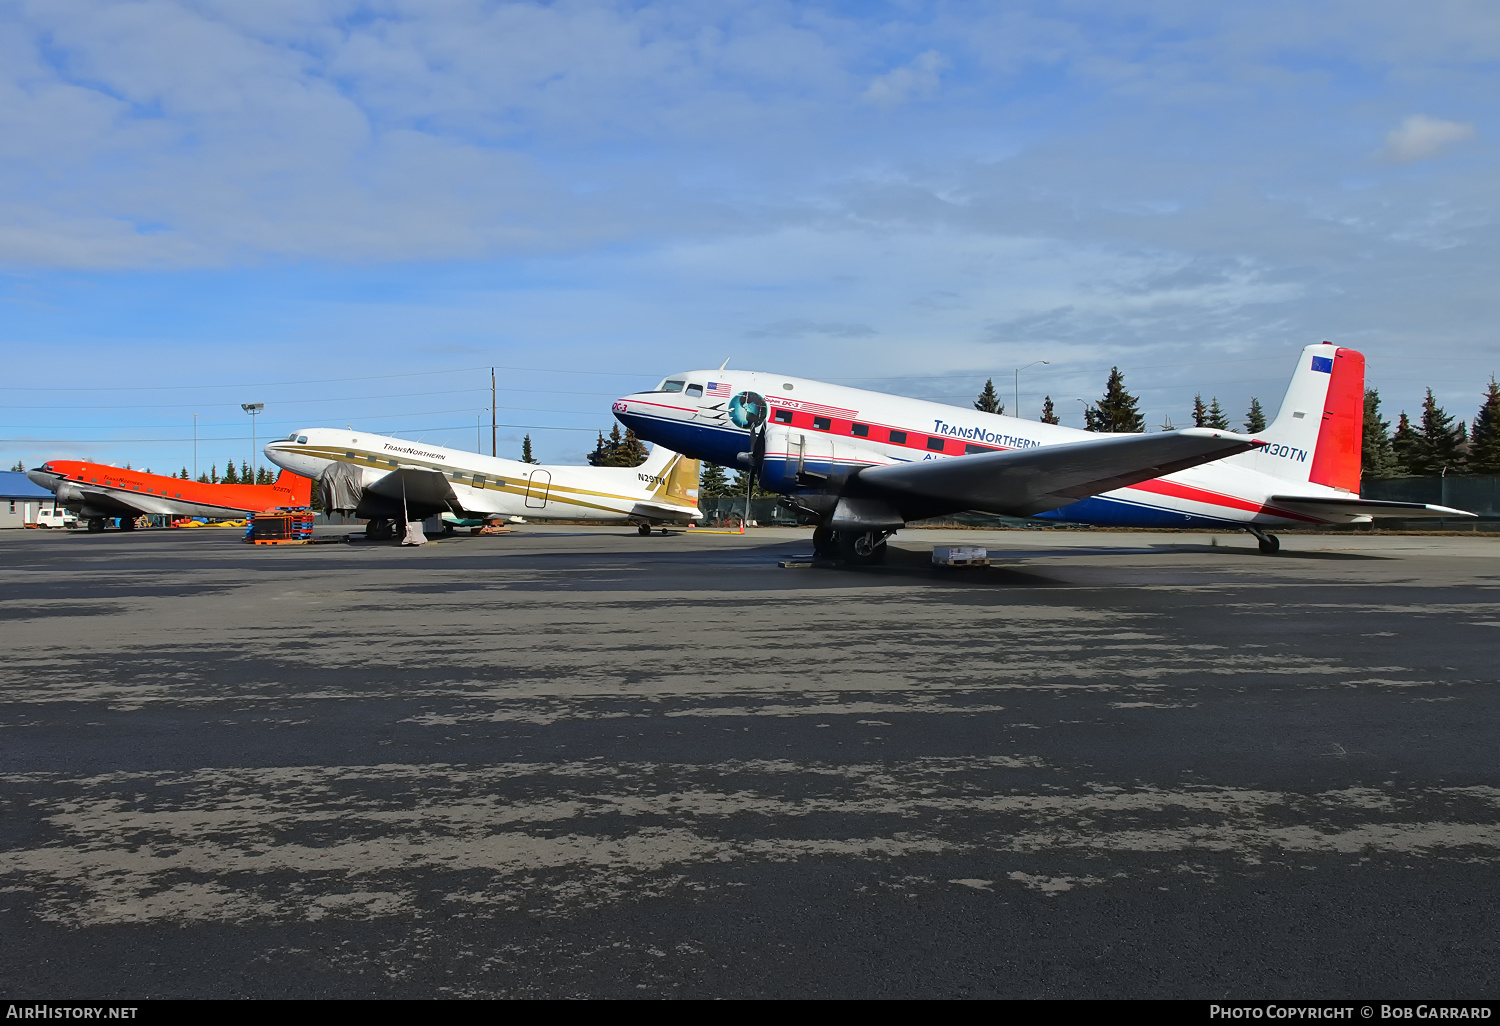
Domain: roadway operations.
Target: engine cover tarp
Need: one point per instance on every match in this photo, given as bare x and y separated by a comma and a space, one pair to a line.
339, 487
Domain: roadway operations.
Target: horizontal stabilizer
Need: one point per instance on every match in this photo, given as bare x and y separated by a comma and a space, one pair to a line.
1351, 510
1024, 482
661, 511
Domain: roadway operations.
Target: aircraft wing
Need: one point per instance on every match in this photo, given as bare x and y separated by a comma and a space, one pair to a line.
120, 503
1024, 482
417, 487
1339, 510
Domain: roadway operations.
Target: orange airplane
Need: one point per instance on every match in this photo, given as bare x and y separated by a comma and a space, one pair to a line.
97, 492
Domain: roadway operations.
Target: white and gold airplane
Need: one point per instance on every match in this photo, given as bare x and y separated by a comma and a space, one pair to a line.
392, 480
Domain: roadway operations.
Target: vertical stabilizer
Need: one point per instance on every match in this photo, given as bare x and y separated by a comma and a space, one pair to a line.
1317, 434
299, 487
679, 484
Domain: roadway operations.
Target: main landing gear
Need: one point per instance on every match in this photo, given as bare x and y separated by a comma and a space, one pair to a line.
1269, 543
96, 525
856, 548
643, 530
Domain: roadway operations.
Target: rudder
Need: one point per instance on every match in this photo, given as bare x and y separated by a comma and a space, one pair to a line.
1317, 434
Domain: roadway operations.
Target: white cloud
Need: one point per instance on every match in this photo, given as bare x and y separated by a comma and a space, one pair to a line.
1421, 138
919, 80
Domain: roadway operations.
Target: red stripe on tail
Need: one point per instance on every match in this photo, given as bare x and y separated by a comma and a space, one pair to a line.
1336, 458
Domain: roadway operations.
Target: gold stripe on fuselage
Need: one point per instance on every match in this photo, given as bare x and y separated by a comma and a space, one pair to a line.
497, 484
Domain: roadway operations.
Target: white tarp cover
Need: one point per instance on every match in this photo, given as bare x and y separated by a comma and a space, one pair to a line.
339, 487
414, 535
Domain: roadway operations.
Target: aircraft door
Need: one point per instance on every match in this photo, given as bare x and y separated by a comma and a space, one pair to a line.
537, 487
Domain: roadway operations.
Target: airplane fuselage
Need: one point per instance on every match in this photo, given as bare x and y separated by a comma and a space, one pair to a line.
851, 427
485, 485
97, 491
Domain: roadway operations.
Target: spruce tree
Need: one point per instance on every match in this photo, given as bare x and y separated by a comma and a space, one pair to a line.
19, 466
1216, 418
1255, 420
1484, 436
1439, 444
600, 453
1376, 459
741, 480
988, 401
712, 481
231, 476
1403, 445
633, 451
1118, 411
183, 476
527, 457
245, 477
1049, 414
1200, 412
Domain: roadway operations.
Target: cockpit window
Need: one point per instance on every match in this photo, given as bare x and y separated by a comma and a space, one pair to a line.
695, 391
301, 439
671, 386
292, 437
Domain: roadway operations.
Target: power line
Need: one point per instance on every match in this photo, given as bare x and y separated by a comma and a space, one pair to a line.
241, 438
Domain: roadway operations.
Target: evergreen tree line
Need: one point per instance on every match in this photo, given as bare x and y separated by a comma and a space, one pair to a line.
615, 451
242, 475
1436, 445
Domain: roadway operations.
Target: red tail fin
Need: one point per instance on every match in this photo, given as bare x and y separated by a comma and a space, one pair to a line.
1341, 435
301, 487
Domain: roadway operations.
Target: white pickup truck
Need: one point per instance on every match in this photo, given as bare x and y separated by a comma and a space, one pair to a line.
49, 514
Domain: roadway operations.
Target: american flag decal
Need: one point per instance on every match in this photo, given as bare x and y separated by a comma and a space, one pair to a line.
719, 388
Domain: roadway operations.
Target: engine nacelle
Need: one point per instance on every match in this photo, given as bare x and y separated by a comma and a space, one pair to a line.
69, 494
800, 459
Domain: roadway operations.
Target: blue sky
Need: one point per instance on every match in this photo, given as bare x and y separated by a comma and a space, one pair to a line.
349, 211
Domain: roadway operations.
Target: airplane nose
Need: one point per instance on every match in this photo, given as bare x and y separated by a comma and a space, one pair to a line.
42, 478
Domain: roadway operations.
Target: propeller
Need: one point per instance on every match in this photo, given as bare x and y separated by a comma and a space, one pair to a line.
750, 410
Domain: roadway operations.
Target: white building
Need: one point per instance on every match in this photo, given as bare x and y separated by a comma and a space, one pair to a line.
23, 503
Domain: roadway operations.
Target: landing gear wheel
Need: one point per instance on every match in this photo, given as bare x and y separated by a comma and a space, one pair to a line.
1270, 545
823, 543
644, 530
127, 524
861, 548
96, 525
379, 530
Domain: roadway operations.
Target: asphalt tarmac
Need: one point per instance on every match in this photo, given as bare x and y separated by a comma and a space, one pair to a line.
580, 762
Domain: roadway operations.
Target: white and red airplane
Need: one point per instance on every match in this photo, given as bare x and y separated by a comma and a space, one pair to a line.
864, 463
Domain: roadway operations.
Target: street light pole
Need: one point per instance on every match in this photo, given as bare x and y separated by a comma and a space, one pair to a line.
253, 409
1018, 382
195, 447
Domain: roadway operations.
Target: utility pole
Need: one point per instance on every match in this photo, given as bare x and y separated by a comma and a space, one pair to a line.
494, 427
195, 447
478, 445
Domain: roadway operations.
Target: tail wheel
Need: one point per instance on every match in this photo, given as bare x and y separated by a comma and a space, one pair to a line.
1270, 545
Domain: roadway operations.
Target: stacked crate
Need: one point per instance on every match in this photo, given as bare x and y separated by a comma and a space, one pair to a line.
283, 526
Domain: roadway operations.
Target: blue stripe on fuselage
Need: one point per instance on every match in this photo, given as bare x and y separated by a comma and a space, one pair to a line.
696, 441
1105, 512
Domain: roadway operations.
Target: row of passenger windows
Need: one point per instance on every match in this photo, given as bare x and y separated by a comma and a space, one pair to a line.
935, 443
474, 480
